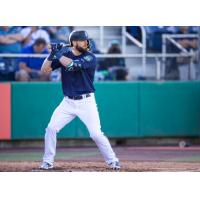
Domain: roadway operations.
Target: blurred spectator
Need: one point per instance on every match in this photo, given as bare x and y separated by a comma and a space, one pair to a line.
194, 29
187, 43
32, 33
118, 73
58, 33
101, 75
30, 66
10, 39
114, 48
112, 74
154, 36
175, 65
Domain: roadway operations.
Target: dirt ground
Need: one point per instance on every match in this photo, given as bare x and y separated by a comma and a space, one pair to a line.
132, 159
72, 166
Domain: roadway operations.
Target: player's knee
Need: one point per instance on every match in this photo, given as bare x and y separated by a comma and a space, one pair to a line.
95, 134
51, 130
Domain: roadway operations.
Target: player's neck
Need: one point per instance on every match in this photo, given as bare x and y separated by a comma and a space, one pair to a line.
76, 53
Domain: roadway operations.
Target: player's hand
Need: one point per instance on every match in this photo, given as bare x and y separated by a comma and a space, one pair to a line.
51, 48
55, 47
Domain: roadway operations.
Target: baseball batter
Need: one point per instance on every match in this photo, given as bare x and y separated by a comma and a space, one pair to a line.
77, 68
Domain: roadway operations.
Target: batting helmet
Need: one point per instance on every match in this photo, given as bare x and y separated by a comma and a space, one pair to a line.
79, 36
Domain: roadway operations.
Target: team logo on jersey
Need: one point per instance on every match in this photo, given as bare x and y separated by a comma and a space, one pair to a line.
88, 58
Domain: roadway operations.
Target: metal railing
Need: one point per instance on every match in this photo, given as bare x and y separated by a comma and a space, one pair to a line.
137, 55
124, 36
143, 44
139, 44
158, 57
170, 38
101, 36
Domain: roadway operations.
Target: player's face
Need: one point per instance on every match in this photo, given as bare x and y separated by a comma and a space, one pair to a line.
81, 46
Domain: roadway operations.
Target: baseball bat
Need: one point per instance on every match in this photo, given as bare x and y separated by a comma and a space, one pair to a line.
62, 44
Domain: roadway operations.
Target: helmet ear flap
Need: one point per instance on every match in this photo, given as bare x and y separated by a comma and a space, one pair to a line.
71, 43
88, 45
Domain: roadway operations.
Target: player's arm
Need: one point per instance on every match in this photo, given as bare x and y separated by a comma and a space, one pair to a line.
61, 55
49, 66
46, 66
88, 61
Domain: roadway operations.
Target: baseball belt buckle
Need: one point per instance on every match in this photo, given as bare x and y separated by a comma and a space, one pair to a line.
84, 96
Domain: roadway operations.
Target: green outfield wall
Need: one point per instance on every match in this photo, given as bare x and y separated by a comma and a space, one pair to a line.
127, 109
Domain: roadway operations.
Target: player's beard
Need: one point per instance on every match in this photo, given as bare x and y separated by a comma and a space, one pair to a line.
81, 49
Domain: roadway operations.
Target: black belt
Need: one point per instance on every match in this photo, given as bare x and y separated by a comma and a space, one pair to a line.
79, 97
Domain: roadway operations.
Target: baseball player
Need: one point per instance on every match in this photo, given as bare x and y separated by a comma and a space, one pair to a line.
77, 71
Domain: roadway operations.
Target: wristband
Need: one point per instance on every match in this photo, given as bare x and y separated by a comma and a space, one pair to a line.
70, 67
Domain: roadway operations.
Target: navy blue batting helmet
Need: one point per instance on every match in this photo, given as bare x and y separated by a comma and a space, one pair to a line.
79, 36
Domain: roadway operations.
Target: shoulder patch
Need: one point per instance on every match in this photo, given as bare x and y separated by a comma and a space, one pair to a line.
88, 57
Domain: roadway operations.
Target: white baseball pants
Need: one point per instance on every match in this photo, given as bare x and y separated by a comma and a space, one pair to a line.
86, 110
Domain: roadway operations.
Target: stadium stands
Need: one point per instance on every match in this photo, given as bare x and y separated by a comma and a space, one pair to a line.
14, 39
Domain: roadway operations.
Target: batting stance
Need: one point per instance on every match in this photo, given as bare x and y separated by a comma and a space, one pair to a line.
77, 68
